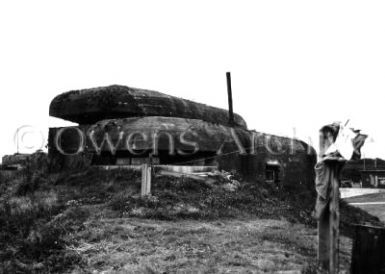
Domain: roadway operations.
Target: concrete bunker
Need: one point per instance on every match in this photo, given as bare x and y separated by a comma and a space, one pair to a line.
120, 125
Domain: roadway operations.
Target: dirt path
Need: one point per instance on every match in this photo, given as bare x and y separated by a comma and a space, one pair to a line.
349, 192
374, 204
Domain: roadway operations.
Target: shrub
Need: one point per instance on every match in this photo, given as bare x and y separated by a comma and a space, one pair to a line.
30, 183
29, 233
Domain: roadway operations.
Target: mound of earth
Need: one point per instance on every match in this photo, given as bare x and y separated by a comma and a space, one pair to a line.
84, 220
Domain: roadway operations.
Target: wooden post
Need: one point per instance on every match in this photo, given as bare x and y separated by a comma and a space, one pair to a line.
146, 179
328, 223
334, 221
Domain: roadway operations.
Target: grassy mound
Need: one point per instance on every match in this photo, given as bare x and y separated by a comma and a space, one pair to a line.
43, 214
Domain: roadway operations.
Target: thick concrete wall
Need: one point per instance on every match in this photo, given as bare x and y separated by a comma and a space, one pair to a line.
255, 152
231, 147
294, 160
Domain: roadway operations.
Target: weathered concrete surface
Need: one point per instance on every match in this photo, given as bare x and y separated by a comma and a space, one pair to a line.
207, 137
89, 106
177, 140
189, 125
230, 148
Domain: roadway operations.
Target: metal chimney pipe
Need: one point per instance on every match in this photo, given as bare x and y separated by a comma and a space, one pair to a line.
230, 98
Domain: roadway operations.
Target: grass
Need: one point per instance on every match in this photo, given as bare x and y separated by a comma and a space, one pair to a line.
189, 246
30, 237
94, 220
376, 210
174, 198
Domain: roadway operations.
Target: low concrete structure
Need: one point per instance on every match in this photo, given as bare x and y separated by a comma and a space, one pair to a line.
14, 162
373, 178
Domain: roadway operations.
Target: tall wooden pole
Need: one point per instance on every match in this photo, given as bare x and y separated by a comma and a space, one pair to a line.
328, 171
334, 220
230, 98
328, 223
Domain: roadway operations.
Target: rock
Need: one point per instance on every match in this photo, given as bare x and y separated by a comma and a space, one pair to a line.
192, 209
229, 187
139, 212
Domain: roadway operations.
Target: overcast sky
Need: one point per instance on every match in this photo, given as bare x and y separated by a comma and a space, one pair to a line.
294, 63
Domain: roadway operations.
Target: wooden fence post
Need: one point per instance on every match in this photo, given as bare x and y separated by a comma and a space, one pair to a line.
328, 223
334, 221
146, 179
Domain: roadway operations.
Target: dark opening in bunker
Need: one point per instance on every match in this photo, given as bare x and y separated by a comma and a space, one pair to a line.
272, 173
163, 157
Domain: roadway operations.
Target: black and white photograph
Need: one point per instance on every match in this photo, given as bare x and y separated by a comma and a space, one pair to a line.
192, 137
